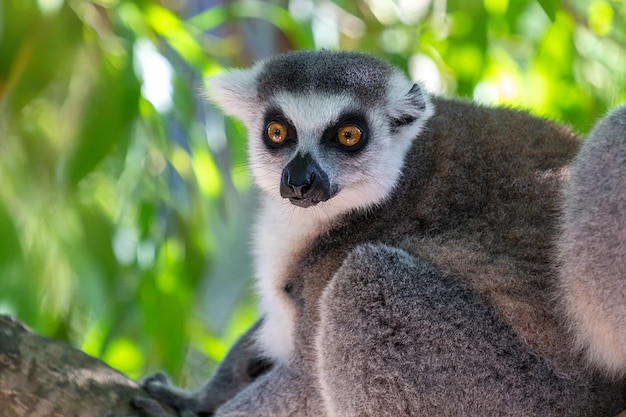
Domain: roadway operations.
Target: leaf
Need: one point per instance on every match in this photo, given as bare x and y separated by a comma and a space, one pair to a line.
111, 107
36, 52
207, 19
300, 35
10, 246
168, 25
17, 292
550, 7
97, 242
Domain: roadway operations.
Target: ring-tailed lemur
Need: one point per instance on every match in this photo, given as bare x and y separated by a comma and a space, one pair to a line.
404, 253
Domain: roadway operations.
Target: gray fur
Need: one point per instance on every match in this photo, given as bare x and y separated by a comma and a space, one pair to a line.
363, 76
284, 391
479, 202
592, 247
437, 299
444, 351
242, 365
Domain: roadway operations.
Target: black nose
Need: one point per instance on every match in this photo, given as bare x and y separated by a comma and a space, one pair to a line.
304, 183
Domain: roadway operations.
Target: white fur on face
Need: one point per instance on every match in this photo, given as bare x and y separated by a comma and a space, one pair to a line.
311, 115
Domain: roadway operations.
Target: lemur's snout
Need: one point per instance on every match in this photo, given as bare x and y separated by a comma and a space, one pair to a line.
304, 183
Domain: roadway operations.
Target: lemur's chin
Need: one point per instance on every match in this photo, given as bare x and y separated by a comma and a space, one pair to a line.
303, 202
311, 198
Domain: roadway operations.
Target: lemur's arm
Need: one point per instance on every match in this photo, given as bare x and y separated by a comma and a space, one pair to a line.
242, 365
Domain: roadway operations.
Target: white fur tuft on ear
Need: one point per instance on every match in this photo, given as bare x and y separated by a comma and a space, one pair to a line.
410, 106
235, 92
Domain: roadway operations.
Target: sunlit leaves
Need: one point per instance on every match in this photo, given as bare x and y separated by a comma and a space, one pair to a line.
600, 17
105, 194
124, 355
207, 174
168, 25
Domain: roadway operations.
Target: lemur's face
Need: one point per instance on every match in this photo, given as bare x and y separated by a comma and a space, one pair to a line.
319, 149
328, 131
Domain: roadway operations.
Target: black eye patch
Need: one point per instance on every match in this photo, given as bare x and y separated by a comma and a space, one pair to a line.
330, 137
274, 114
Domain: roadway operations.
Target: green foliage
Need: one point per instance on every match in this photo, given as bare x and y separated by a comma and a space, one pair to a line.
123, 208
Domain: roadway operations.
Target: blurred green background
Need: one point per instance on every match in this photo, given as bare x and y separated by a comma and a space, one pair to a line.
124, 198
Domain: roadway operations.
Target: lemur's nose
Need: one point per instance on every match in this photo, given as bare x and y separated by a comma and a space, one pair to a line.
303, 182
296, 182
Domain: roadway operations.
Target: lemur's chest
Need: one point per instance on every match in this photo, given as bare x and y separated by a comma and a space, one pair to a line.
281, 238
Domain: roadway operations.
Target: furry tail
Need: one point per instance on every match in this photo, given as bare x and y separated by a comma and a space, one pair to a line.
592, 247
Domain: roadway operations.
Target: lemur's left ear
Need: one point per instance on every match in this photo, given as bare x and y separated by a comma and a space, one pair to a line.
411, 110
235, 92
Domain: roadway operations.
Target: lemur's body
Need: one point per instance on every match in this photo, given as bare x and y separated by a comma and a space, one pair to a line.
404, 250
464, 207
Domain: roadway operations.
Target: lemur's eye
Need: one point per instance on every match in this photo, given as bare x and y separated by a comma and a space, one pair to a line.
349, 135
277, 132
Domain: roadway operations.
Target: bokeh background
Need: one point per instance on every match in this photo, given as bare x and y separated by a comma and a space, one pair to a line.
124, 199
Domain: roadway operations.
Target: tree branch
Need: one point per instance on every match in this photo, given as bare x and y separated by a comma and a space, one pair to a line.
41, 377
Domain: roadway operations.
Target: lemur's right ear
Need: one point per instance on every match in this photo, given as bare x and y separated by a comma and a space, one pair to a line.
409, 108
235, 92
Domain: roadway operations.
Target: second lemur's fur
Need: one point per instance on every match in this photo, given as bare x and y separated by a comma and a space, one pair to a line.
592, 247
404, 251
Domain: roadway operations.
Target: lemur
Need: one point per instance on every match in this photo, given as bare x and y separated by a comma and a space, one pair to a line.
407, 253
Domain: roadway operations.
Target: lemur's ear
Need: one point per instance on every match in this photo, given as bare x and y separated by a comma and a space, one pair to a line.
409, 111
235, 92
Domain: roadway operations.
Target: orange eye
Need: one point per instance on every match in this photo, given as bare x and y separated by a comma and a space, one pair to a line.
277, 132
349, 135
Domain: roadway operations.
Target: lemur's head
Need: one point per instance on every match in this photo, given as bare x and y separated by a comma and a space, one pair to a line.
326, 129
